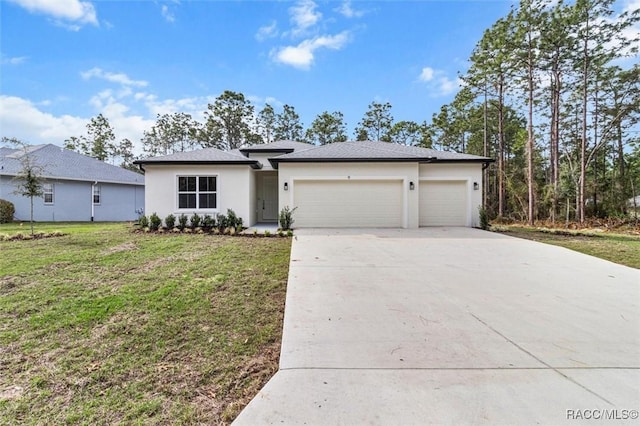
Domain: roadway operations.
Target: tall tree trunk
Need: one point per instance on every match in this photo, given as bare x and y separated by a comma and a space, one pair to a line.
484, 149
555, 138
583, 139
530, 181
501, 148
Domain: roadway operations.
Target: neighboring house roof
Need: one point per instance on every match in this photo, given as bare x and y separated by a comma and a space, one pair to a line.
364, 151
202, 156
59, 163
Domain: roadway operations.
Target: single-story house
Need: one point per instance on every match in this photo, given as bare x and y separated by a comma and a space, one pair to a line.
346, 184
76, 187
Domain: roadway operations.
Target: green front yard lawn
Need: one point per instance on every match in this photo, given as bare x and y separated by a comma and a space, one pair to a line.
103, 326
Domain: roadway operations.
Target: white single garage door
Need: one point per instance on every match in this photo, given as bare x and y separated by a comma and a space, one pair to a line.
443, 203
348, 203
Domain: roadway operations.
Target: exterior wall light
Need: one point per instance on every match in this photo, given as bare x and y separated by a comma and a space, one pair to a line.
412, 186
286, 186
476, 186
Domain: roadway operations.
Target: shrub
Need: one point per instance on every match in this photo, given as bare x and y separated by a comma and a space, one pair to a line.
170, 221
154, 222
484, 218
143, 221
208, 222
222, 223
233, 221
182, 221
267, 233
195, 220
7, 210
286, 217
289, 233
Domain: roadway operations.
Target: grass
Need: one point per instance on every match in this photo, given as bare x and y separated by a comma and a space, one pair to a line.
619, 248
103, 326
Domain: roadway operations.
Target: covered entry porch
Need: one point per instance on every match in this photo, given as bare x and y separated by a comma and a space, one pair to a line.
267, 197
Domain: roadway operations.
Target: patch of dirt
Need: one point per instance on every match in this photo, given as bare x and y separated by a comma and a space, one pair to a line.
122, 247
8, 283
155, 263
254, 373
12, 392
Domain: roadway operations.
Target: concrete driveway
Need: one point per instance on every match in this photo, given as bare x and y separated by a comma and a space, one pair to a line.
452, 326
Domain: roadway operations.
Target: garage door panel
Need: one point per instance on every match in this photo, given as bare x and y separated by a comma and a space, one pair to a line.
443, 203
348, 203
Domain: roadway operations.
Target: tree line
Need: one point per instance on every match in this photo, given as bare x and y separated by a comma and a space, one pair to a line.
232, 122
545, 96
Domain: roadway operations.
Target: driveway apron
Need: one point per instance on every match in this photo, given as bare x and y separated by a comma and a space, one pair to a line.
452, 326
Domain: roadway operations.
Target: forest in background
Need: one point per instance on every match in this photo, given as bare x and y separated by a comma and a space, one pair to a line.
552, 94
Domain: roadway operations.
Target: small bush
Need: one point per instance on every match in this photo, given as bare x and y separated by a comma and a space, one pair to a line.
195, 221
484, 218
182, 221
286, 217
289, 233
170, 221
7, 210
154, 222
223, 223
208, 222
267, 233
143, 221
233, 221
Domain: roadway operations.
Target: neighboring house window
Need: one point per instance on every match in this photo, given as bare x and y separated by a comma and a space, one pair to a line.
47, 192
197, 192
96, 194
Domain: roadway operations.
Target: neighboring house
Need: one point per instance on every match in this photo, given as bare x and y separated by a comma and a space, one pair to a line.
345, 184
76, 187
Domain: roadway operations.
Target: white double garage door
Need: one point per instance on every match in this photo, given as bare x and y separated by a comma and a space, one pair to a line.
378, 203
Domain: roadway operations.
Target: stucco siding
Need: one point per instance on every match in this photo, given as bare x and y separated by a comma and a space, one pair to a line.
263, 158
234, 187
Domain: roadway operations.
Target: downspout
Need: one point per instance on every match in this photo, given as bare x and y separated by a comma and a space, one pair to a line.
93, 185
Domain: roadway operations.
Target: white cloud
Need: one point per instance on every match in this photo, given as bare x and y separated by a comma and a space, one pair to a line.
22, 119
72, 14
439, 82
348, 11
167, 14
17, 60
426, 74
631, 5
267, 31
304, 16
302, 55
119, 78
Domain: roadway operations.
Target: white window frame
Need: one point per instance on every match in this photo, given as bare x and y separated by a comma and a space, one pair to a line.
197, 192
96, 190
48, 189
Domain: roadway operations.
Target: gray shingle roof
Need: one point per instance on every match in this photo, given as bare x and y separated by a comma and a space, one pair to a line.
206, 155
59, 163
373, 151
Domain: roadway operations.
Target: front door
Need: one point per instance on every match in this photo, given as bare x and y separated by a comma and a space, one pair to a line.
270, 198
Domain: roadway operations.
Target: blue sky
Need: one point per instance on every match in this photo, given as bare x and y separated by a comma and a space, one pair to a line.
65, 61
